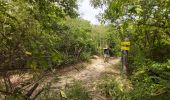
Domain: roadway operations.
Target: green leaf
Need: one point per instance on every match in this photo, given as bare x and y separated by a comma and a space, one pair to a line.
28, 53
138, 10
33, 65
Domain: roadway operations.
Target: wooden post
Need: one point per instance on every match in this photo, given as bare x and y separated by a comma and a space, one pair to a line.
125, 49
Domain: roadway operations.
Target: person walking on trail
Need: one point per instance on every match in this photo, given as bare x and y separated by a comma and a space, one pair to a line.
106, 54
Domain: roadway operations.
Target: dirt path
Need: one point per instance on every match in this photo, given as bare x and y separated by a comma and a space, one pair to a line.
85, 72
91, 72
89, 75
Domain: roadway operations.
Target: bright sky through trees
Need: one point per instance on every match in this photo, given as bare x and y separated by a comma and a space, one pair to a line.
87, 12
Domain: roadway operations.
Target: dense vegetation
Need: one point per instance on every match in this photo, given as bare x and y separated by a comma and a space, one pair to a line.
146, 23
42, 35
47, 34
33, 33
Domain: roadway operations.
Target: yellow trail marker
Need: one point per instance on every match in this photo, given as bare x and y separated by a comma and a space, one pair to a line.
125, 48
125, 43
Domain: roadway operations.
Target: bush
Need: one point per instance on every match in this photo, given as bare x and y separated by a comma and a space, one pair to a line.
72, 92
85, 56
77, 92
151, 81
114, 91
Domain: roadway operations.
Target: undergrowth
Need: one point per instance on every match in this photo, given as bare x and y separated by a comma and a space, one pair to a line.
149, 82
72, 92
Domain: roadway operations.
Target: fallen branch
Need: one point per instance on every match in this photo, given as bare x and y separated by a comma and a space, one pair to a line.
36, 95
32, 90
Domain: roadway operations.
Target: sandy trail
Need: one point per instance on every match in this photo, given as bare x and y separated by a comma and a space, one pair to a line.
89, 74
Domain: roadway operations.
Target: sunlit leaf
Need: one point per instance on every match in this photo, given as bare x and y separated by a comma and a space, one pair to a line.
28, 53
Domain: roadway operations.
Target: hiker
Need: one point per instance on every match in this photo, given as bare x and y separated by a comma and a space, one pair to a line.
106, 52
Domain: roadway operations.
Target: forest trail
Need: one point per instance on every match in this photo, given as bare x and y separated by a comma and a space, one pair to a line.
89, 75
91, 72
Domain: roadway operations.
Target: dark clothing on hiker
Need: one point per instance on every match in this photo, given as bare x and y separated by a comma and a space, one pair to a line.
106, 52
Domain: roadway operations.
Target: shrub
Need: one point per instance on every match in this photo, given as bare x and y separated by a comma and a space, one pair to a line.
77, 92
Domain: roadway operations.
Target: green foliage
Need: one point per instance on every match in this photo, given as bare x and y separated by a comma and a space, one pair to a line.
76, 43
114, 91
77, 92
114, 41
146, 24
152, 79
41, 34
73, 91
100, 38
99, 3
149, 82
30, 32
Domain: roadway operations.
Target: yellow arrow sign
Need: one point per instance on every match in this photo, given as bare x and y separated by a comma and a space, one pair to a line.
125, 43
125, 48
